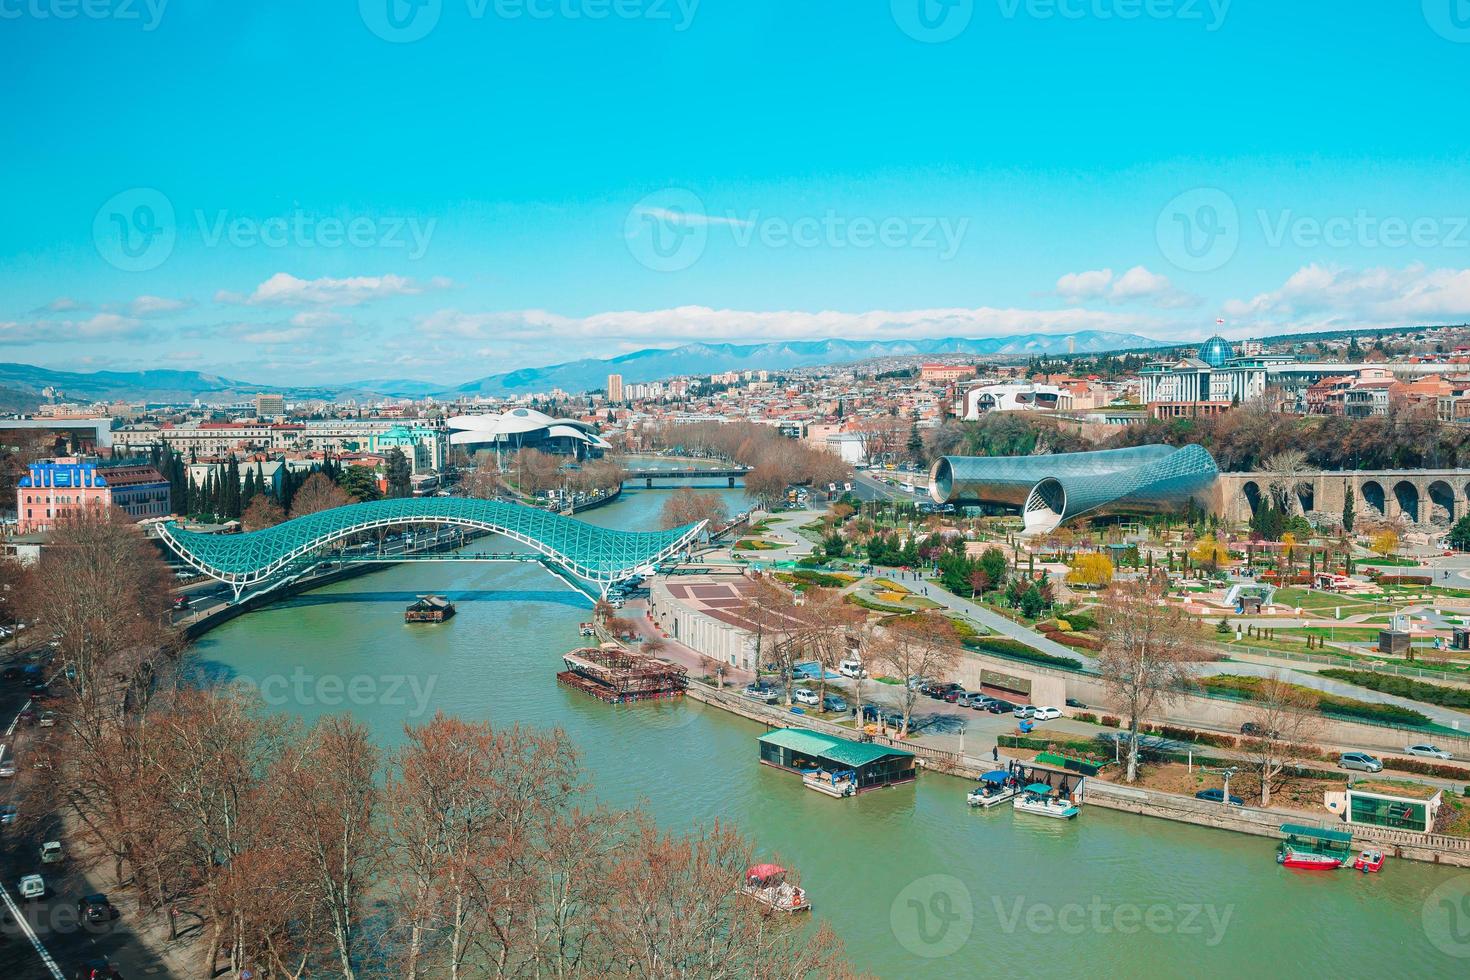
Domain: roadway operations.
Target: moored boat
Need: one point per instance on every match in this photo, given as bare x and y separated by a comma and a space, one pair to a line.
767, 884
1313, 849
1369, 860
995, 787
836, 782
1037, 799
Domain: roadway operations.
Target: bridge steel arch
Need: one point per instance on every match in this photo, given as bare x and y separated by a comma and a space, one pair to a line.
271, 557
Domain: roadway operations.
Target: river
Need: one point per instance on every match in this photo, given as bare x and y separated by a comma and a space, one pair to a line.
915, 883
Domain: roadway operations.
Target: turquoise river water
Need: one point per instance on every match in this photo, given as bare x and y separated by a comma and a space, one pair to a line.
915, 883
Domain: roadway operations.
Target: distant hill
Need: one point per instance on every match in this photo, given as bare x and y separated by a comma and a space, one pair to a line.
26, 381
652, 364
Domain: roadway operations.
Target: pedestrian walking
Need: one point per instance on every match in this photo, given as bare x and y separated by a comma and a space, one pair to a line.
995, 752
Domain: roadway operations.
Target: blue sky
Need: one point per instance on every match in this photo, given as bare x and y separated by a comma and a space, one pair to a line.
287, 191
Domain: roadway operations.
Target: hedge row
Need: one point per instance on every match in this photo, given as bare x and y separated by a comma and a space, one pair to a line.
1404, 687
1071, 639
1007, 647
1404, 580
1329, 704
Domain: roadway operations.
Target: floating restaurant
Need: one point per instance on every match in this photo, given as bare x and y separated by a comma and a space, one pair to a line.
612, 674
428, 609
836, 766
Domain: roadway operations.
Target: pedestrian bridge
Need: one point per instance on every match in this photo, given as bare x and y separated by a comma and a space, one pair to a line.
590, 556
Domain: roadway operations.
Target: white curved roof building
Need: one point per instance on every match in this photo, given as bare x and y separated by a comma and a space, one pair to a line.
525, 428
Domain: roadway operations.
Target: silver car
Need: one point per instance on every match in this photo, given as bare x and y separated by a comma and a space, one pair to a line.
1361, 761
1426, 751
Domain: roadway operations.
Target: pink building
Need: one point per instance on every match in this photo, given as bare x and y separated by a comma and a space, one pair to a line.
57, 487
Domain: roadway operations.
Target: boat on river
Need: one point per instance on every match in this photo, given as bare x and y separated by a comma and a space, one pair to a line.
1369, 860
995, 788
767, 884
1313, 848
840, 783
1037, 798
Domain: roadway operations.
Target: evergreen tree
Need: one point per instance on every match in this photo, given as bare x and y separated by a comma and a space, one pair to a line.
916, 444
399, 474
1348, 509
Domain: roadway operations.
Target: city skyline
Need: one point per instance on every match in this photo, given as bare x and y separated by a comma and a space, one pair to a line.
343, 201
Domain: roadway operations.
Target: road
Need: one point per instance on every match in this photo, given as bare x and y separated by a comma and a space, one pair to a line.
43, 938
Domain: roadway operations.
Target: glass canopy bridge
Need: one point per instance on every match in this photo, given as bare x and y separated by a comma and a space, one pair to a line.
587, 557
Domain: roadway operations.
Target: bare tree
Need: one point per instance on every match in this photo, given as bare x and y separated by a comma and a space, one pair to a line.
262, 512
1148, 651
689, 506
914, 648
1286, 478
1283, 726
485, 481
318, 493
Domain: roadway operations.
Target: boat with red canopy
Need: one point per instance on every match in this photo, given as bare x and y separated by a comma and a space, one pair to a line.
767, 884
1313, 848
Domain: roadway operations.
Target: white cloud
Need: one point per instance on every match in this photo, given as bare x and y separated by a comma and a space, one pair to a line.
157, 306
1078, 286
62, 304
102, 326
1318, 296
680, 217
284, 289
312, 319
1135, 285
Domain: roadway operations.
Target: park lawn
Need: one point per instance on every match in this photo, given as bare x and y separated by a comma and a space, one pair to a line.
1346, 634
755, 544
888, 585
1308, 599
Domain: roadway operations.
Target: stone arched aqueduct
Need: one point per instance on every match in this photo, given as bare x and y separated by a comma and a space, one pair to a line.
1426, 497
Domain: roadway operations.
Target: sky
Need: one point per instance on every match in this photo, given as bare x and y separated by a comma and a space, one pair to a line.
297, 192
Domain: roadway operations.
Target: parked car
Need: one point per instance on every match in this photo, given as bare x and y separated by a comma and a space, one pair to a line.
999, 706
1046, 714
97, 969
32, 886
1217, 795
968, 699
833, 703
762, 693
1257, 731
982, 702
1074, 703
7, 769
182, 601
852, 667
51, 852
95, 908
1025, 711
47, 719
804, 695
1426, 751
8, 813
940, 692
953, 696
1360, 760
11, 673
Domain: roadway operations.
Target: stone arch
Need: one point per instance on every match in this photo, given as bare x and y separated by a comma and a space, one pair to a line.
1306, 498
1441, 503
1251, 491
1373, 497
1406, 495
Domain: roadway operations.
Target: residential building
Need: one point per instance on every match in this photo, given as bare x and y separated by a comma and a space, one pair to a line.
139, 490
615, 387
946, 373
270, 406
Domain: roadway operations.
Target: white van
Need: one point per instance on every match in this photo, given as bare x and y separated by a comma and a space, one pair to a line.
852, 667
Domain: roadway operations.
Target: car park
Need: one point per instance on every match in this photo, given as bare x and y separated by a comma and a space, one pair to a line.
1361, 761
1425, 750
1046, 714
804, 695
1218, 796
760, 692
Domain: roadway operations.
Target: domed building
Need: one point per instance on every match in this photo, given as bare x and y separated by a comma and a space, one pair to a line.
526, 428
1216, 351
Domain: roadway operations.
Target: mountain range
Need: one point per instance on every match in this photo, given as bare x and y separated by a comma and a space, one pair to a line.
27, 381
